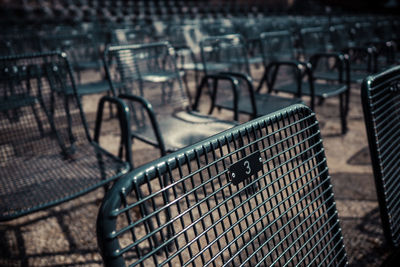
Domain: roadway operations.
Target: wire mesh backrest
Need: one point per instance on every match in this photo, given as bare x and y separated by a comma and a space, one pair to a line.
313, 40
35, 116
381, 103
384, 30
257, 194
224, 53
188, 35
340, 37
19, 43
277, 46
363, 33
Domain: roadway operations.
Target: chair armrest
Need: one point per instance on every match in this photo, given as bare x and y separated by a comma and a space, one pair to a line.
153, 119
124, 122
215, 78
249, 82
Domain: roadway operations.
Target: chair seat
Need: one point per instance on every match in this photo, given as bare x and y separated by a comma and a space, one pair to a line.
17, 101
183, 129
266, 103
90, 88
355, 77
250, 60
191, 66
160, 76
88, 65
30, 183
213, 66
320, 89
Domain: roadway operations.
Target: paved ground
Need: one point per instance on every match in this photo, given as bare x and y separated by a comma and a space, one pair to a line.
65, 235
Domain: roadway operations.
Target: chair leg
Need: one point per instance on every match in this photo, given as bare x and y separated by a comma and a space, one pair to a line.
343, 112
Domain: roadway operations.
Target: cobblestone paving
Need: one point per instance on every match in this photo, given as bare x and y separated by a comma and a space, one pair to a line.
65, 235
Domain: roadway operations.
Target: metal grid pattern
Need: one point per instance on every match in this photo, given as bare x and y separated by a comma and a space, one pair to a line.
185, 209
277, 46
46, 153
224, 53
381, 104
314, 40
149, 72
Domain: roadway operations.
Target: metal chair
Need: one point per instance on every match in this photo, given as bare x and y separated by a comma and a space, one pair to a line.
225, 59
257, 194
146, 76
362, 57
381, 104
84, 54
46, 153
284, 73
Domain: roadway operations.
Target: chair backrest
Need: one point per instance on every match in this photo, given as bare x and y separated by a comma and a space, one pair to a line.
277, 46
340, 37
381, 104
20, 43
35, 115
313, 40
128, 35
259, 193
149, 71
186, 35
81, 48
224, 53
363, 33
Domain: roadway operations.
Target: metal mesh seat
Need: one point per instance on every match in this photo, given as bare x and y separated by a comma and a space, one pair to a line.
285, 73
258, 194
381, 104
225, 60
46, 153
146, 76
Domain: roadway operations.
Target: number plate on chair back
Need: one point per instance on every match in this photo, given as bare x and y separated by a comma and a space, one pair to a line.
245, 168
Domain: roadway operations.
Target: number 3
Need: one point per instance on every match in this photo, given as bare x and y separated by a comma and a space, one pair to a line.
247, 165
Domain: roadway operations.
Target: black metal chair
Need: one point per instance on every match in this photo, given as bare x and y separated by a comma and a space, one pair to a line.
381, 105
225, 59
284, 73
47, 155
146, 76
257, 194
